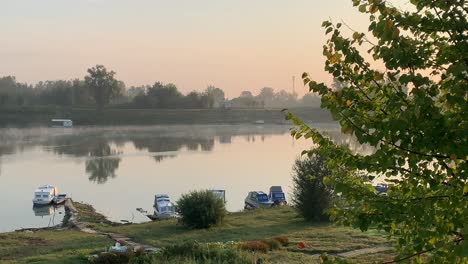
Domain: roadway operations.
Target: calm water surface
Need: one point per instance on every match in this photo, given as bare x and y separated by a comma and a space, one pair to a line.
118, 169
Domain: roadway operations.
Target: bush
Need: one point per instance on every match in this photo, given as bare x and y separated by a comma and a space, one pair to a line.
201, 209
113, 258
284, 241
204, 253
272, 244
130, 256
255, 246
311, 197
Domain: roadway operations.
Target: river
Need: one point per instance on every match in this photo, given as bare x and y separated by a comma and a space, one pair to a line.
119, 169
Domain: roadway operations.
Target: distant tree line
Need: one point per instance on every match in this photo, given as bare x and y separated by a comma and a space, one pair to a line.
99, 88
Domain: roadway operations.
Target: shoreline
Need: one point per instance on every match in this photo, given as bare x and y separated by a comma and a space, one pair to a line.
31, 116
87, 235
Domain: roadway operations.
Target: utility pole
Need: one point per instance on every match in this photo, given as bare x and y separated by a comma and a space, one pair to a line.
293, 84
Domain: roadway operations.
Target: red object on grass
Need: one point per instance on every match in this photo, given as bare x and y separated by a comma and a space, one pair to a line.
301, 245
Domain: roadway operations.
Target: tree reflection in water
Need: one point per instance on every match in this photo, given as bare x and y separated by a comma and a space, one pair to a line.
102, 163
99, 145
159, 158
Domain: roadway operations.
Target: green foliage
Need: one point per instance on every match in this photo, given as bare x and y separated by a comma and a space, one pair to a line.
205, 253
201, 209
325, 259
113, 258
128, 257
311, 197
415, 115
103, 85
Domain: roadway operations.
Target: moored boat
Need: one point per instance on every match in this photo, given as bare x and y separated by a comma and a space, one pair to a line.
45, 195
219, 193
257, 200
163, 208
60, 198
277, 196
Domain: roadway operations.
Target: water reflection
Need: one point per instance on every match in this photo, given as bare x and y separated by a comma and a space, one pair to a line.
103, 148
4, 150
53, 212
102, 162
159, 158
170, 144
96, 165
43, 210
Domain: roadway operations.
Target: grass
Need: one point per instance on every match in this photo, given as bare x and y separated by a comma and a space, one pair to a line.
69, 246
382, 256
256, 225
87, 214
49, 246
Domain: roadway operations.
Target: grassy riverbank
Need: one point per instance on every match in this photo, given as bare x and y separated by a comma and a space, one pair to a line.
69, 246
49, 246
41, 116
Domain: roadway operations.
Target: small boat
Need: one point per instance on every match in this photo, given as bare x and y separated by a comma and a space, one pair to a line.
163, 208
45, 195
257, 200
259, 122
60, 198
58, 123
219, 193
381, 189
277, 196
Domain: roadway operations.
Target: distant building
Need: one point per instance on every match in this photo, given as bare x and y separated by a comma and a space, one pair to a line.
227, 105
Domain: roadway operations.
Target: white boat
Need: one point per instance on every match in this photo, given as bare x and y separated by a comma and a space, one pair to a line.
45, 195
62, 123
219, 193
259, 122
163, 208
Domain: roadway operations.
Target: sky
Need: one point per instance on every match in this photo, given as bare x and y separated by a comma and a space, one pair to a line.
232, 44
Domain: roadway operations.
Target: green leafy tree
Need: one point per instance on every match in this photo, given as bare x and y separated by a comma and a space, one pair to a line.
414, 113
311, 197
103, 85
215, 96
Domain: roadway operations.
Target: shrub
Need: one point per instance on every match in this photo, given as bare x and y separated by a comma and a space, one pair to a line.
284, 241
311, 197
201, 209
113, 258
255, 246
130, 256
204, 253
272, 244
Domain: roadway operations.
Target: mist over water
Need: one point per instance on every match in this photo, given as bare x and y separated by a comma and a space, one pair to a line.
118, 169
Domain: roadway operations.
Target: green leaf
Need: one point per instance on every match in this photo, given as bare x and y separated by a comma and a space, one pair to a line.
296, 121
462, 249
356, 35
362, 8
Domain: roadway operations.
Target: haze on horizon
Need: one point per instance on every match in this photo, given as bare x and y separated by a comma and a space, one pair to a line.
235, 45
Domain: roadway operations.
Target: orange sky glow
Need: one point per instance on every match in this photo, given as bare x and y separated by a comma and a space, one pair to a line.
235, 45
